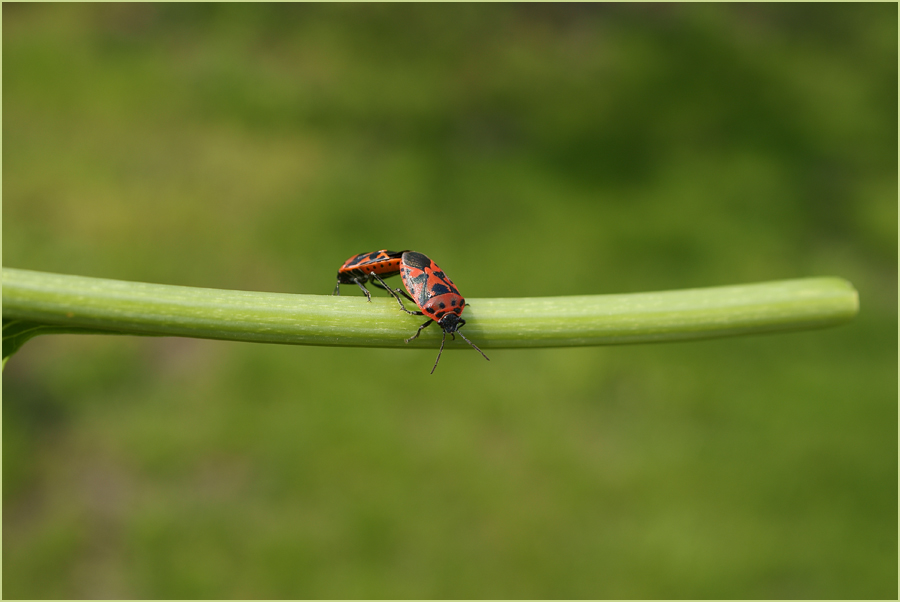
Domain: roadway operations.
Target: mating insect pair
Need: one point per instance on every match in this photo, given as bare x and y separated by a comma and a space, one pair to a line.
431, 290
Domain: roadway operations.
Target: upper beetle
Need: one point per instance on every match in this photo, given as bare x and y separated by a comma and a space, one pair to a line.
367, 267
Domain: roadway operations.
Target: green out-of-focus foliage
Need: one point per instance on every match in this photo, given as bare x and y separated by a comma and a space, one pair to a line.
531, 150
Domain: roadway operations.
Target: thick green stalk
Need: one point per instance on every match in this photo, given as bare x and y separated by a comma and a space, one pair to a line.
36, 302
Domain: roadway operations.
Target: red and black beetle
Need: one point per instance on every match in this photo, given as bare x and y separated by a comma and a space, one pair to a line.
363, 268
436, 296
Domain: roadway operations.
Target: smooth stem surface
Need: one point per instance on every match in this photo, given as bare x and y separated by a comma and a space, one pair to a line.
34, 299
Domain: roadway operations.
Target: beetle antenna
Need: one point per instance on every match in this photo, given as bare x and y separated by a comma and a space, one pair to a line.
443, 338
473, 345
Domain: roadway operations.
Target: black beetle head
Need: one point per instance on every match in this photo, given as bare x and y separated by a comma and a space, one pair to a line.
451, 322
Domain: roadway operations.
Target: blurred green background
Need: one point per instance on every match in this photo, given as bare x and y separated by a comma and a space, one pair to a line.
532, 150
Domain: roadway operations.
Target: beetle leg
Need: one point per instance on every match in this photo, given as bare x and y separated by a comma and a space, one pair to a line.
425, 325
396, 296
399, 290
364, 289
380, 284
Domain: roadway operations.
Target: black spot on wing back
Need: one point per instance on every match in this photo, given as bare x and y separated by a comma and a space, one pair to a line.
439, 289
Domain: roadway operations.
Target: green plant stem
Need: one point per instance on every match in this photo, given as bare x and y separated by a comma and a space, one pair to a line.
60, 303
